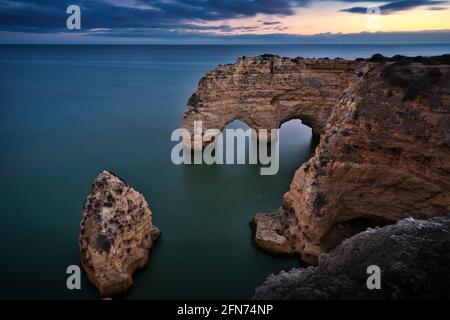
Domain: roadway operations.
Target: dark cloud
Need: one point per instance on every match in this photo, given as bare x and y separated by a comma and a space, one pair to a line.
153, 18
270, 23
436, 8
394, 6
146, 13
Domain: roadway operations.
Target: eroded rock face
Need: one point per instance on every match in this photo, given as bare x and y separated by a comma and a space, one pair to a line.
384, 156
269, 229
384, 151
267, 91
116, 234
400, 251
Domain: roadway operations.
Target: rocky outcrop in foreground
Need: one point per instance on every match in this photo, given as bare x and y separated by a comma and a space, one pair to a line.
413, 257
384, 151
116, 234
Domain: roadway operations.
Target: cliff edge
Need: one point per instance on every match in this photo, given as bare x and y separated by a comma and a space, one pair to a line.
384, 151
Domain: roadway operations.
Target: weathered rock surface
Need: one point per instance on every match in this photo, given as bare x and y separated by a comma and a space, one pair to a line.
267, 91
413, 257
384, 156
116, 234
384, 151
269, 229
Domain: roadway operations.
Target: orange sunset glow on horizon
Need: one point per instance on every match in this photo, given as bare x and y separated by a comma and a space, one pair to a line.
326, 17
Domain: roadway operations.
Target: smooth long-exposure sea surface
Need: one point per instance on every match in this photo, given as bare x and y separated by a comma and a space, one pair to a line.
69, 112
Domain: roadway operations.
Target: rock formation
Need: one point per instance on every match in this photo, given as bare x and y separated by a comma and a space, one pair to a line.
267, 91
384, 151
269, 229
116, 234
412, 255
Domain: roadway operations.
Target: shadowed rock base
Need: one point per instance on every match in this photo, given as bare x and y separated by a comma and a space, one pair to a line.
413, 257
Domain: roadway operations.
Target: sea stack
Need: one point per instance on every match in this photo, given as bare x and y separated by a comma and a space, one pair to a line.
116, 234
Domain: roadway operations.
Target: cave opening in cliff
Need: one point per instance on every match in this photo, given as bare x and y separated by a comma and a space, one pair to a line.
235, 125
348, 228
297, 143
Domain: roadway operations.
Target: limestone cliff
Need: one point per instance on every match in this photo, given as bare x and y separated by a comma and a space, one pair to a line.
267, 91
384, 151
116, 234
400, 251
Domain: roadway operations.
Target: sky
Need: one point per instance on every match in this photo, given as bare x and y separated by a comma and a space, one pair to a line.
226, 21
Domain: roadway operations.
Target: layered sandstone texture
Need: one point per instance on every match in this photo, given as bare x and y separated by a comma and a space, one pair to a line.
266, 91
400, 251
116, 234
384, 151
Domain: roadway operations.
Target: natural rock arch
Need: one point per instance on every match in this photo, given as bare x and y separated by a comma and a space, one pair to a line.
384, 140
266, 91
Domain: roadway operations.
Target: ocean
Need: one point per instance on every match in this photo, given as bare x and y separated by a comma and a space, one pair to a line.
69, 112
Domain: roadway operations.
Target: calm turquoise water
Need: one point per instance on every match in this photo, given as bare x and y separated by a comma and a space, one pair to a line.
68, 112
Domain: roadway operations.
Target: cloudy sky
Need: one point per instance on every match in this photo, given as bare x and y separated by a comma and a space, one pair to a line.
204, 21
